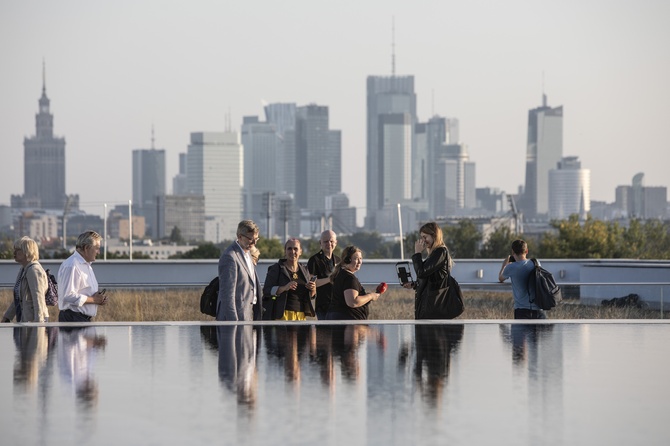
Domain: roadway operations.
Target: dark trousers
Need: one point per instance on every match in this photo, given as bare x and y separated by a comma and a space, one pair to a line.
72, 316
524, 313
321, 315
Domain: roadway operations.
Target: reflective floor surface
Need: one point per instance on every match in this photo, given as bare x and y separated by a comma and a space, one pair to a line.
379, 384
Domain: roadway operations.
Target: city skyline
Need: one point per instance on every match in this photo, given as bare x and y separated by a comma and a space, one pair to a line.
113, 72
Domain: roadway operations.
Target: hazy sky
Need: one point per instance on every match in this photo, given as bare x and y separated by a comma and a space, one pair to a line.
114, 69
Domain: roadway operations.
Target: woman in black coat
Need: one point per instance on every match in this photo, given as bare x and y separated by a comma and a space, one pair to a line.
431, 272
288, 289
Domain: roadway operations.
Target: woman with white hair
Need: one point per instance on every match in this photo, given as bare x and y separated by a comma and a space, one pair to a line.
31, 285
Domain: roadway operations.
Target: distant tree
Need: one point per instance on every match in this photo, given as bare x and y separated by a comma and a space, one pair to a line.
372, 244
650, 240
116, 255
463, 239
7, 248
207, 250
310, 247
270, 248
64, 254
176, 237
499, 243
590, 239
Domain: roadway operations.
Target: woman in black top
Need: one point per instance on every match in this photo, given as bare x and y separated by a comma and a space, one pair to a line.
350, 301
288, 289
431, 272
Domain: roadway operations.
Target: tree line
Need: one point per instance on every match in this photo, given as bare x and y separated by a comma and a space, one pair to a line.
567, 239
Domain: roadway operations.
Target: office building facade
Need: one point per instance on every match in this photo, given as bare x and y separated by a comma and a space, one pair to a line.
214, 169
391, 117
148, 186
544, 150
318, 158
569, 189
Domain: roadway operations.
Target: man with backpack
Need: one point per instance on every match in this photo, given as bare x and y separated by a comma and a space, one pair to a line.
518, 269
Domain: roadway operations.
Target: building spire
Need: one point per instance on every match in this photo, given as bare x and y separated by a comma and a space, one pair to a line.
152, 136
393, 46
44, 76
544, 95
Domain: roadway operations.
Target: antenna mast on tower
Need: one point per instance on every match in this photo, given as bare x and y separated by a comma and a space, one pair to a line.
393, 46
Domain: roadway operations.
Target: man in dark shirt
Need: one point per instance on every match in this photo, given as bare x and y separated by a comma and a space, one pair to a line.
321, 265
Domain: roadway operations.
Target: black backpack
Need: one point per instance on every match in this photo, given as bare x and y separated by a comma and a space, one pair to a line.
543, 289
210, 297
51, 295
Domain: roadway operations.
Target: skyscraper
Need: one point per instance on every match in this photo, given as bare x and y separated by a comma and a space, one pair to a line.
454, 181
318, 158
149, 185
179, 185
282, 116
214, 169
391, 116
261, 144
544, 151
44, 160
640, 201
569, 189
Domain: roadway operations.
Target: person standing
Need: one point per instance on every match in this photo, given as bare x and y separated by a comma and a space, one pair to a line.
28, 304
239, 287
431, 272
321, 265
288, 289
350, 301
78, 294
518, 269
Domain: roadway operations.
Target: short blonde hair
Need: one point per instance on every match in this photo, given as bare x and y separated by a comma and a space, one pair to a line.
28, 247
255, 254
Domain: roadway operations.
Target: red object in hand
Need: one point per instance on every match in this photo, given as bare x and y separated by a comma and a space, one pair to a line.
382, 287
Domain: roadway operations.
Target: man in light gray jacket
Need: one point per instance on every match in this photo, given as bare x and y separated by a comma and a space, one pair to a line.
239, 287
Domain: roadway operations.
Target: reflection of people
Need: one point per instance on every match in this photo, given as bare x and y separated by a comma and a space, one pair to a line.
518, 268
288, 289
78, 294
31, 343
321, 265
346, 342
28, 304
431, 272
239, 287
522, 338
287, 343
350, 301
434, 346
77, 347
237, 360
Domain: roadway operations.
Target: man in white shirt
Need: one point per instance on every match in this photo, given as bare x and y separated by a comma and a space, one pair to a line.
78, 294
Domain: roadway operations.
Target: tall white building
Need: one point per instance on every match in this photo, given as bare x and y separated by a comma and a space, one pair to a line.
214, 169
543, 152
391, 116
569, 189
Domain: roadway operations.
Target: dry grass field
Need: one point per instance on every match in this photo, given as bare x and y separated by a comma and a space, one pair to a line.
397, 304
